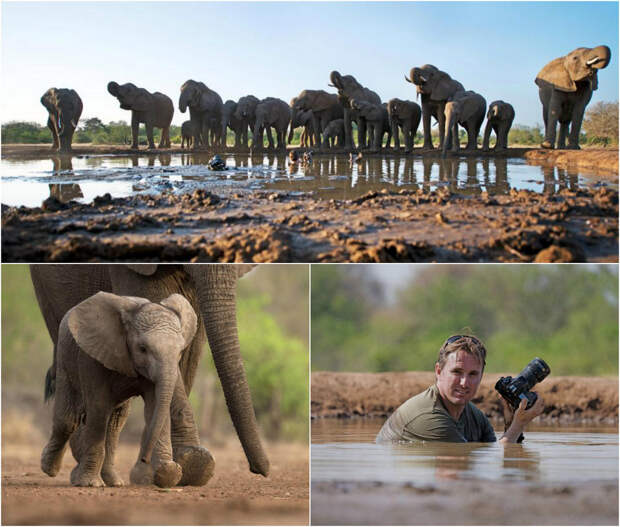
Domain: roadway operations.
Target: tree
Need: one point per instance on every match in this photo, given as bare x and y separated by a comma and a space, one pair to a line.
601, 123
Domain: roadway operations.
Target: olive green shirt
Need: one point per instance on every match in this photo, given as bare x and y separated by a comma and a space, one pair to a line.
425, 418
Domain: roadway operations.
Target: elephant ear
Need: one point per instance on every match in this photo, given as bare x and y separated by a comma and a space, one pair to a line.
323, 101
556, 74
142, 101
444, 87
187, 316
243, 269
144, 269
97, 326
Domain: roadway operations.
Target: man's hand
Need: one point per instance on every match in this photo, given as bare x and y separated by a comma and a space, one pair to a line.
516, 421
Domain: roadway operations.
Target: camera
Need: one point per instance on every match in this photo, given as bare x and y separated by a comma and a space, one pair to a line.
518, 388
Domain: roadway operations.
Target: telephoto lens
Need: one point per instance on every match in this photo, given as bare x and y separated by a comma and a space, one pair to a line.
534, 373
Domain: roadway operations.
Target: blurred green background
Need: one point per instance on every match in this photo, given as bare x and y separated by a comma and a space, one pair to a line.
273, 332
388, 318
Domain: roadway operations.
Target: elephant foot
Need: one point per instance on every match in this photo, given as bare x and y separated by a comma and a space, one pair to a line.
111, 478
573, 147
134, 147
197, 463
547, 145
79, 479
51, 461
141, 474
427, 146
168, 474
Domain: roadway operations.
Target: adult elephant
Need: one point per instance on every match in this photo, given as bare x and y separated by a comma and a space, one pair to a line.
499, 120
152, 109
436, 88
301, 118
246, 113
377, 120
64, 107
405, 115
271, 113
565, 87
210, 290
325, 107
230, 121
205, 111
348, 88
466, 108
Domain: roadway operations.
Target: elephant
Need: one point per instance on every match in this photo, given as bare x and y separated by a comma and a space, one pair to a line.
377, 120
334, 130
565, 87
205, 111
111, 348
301, 118
230, 121
65, 108
210, 289
325, 107
468, 109
348, 88
152, 109
246, 113
406, 115
271, 113
188, 132
499, 119
436, 87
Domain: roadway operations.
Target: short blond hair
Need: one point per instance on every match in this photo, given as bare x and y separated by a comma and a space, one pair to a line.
467, 343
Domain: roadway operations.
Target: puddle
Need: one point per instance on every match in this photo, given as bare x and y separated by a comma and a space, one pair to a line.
82, 178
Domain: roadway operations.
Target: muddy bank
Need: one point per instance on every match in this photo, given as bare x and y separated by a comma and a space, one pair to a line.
602, 160
282, 226
568, 400
464, 503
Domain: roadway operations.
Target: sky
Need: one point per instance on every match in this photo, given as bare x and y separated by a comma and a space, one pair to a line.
277, 49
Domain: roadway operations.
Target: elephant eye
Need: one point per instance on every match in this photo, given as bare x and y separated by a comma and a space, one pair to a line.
142, 348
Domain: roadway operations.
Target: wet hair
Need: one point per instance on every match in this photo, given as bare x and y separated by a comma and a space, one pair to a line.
467, 343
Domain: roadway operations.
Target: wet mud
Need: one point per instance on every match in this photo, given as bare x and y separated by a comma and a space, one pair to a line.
246, 225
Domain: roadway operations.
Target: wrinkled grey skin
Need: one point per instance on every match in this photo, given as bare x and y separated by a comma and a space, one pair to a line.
377, 120
271, 113
155, 110
210, 289
436, 88
334, 130
246, 113
348, 88
111, 348
466, 108
65, 108
565, 87
230, 121
301, 118
188, 132
205, 111
406, 115
499, 120
325, 107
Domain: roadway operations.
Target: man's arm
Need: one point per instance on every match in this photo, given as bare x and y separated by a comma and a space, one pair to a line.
520, 419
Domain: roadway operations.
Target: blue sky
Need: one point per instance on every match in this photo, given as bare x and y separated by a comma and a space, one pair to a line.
279, 48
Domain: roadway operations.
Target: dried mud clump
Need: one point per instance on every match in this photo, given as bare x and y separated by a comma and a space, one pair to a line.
386, 250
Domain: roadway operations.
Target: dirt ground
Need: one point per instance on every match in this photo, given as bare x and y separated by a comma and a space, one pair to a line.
568, 400
233, 497
281, 226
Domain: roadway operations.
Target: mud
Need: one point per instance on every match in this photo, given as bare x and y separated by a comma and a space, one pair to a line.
281, 226
568, 400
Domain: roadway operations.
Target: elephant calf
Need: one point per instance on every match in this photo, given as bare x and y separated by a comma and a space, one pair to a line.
406, 115
334, 130
188, 132
111, 348
499, 119
466, 108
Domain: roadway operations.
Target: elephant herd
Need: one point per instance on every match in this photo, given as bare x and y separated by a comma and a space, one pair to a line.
565, 88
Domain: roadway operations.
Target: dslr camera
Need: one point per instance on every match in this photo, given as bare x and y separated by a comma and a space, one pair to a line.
514, 389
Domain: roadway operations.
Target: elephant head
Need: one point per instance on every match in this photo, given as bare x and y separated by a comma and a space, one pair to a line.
200, 98
62, 105
499, 110
246, 108
431, 81
581, 64
228, 113
131, 97
135, 337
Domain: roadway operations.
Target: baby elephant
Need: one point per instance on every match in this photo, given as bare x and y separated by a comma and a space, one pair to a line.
188, 132
334, 130
111, 348
499, 119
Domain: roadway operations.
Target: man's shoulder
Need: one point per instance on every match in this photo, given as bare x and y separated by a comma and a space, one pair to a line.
476, 413
423, 404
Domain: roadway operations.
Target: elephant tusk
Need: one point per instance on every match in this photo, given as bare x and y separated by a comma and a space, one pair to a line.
593, 61
407, 79
422, 79
73, 124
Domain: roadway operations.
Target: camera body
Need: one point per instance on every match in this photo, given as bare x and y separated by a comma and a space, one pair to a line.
514, 389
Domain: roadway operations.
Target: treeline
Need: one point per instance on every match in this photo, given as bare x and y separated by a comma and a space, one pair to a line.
567, 315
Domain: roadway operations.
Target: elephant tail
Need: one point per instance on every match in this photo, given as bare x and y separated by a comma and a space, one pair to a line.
50, 382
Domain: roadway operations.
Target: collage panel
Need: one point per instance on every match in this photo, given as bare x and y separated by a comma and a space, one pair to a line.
115, 412
464, 394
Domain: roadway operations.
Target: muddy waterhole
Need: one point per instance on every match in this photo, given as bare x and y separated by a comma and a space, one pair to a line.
82, 178
345, 450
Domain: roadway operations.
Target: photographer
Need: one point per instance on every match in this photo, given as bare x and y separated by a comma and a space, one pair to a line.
443, 412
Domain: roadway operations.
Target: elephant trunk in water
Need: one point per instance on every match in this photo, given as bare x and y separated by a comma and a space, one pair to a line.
164, 388
216, 290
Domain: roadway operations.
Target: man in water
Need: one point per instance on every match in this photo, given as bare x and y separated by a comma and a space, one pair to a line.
444, 412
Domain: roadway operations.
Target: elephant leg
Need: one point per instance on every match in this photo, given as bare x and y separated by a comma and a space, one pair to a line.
56, 142
441, 120
162, 141
115, 425
269, 136
426, 126
91, 449
149, 135
553, 115
135, 125
575, 126
408, 133
362, 130
562, 135
377, 136
348, 129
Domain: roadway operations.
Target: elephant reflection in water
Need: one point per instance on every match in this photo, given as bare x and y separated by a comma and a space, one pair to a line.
406, 176
500, 186
64, 192
556, 178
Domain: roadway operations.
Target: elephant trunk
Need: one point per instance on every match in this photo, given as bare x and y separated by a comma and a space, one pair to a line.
451, 131
113, 88
293, 124
599, 57
217, 298
184, 101
164, 388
